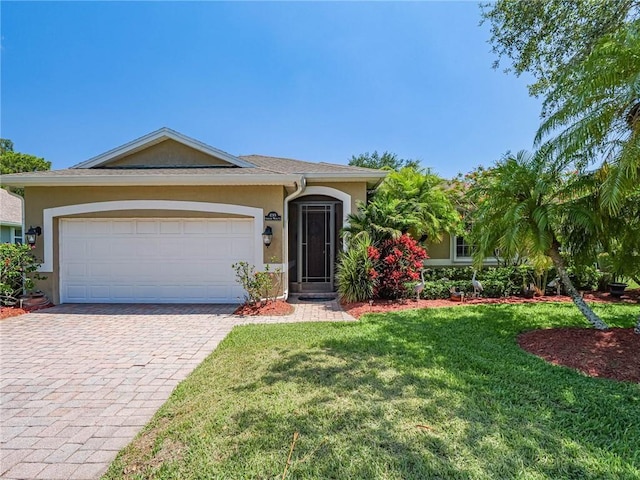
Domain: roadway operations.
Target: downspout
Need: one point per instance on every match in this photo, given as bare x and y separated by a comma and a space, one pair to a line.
302, 184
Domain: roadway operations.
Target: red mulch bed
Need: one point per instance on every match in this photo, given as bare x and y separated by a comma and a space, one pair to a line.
358, 309
276, 308
614, 353
7, 312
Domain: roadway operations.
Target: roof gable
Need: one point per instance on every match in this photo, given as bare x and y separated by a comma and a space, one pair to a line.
164, 148
10, 208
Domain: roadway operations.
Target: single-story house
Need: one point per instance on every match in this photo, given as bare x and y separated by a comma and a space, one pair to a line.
10, 217
164, 217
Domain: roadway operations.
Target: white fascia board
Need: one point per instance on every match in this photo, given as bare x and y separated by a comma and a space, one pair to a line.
344, 177
156, 137
144, 180
5, 223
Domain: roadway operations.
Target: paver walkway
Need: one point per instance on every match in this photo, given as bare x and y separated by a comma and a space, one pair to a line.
78, 382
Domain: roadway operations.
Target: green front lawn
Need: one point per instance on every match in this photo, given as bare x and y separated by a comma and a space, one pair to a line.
439, 393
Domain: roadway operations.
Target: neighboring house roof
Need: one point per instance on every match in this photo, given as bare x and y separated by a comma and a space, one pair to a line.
10, 209
111, 168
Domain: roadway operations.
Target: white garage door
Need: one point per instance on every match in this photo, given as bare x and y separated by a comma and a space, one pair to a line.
144, 260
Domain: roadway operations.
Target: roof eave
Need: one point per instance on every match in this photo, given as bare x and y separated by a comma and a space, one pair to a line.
371, 179
147, 180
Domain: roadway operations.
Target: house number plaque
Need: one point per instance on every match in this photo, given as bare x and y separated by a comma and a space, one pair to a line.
273, 217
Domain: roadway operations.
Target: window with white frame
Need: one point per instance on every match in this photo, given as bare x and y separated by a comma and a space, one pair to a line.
463, 248
16, 235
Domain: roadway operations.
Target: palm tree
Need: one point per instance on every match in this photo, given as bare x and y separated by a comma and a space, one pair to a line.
599, 120
382, 218
519, 203
424, 197
598, 231
409, 201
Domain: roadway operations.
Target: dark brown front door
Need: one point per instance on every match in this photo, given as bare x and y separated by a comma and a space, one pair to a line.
316, 247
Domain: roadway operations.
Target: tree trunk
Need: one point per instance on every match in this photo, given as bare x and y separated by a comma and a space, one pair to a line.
590, 315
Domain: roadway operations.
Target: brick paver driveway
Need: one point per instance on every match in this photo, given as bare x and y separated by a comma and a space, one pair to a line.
78, 382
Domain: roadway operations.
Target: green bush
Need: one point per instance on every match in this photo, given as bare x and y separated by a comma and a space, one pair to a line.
356, 275
497, 282
585, 277
257, 285
17, 264
437, 289
452, 273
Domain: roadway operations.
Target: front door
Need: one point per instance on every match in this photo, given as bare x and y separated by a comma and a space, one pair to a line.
316, 246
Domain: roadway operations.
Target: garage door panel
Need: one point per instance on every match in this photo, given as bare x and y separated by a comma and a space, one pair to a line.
96, 246
194, 227
100, 292
147, 227
123, 227
98, 228
74, 228
99, 271
198, 246
220, 228
239, 246
75, 270
73, 245
122, 293
169, 247
77, 291
153, 260
242, 228
170, 227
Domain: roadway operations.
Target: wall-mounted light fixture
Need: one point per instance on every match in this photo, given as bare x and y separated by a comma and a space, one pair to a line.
267, 236
32, 234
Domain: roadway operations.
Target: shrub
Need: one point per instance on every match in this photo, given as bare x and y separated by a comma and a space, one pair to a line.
257, 285
356, 275
585, 277
497, 282
434, 290
399, 262
16, 264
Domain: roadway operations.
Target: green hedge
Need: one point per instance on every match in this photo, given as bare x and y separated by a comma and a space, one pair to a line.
497, 282
501, 281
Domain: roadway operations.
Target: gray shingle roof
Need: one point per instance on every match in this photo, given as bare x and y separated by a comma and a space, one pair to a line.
288, 165
262, 166
152, 172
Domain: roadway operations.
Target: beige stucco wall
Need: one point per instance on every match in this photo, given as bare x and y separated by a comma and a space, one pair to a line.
267, 198
440, 250
357, 190
39, 198
168, 153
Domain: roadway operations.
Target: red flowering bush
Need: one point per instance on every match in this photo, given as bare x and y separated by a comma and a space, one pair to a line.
397, 264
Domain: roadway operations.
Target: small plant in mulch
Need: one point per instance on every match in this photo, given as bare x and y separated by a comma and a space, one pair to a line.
261, 289
274, 308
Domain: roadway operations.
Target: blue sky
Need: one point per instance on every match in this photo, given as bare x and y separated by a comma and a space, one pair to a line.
316, 81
